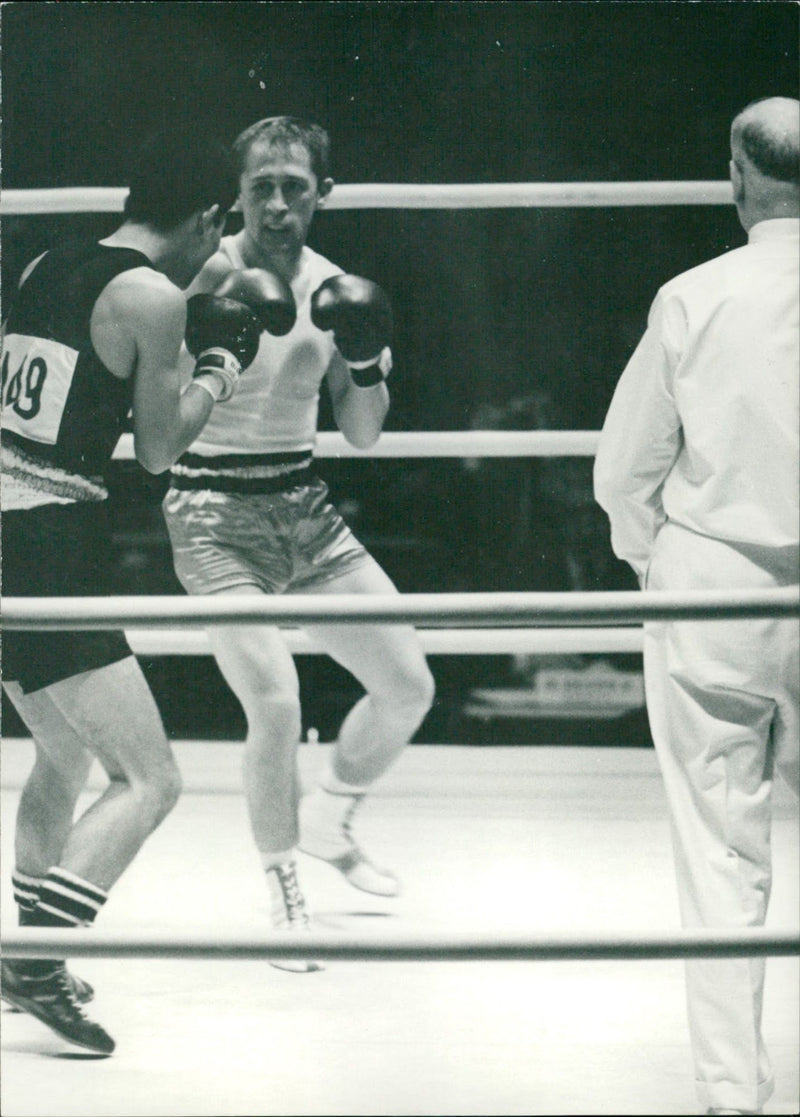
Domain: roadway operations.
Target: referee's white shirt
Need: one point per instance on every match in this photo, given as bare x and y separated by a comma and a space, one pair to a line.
703, 426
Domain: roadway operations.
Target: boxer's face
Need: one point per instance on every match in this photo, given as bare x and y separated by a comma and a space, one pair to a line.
279, 195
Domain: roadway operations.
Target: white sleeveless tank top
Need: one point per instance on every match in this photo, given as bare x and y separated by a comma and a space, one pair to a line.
276, 405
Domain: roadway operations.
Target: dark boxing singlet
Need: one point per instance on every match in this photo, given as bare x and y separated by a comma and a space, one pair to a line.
63, 410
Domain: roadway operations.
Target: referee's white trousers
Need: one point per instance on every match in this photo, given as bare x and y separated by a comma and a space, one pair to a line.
722, 701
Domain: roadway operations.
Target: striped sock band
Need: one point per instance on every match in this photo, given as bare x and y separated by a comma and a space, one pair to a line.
26, 890
67, 901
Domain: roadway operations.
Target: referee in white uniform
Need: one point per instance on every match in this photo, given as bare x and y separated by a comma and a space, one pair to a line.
698, 471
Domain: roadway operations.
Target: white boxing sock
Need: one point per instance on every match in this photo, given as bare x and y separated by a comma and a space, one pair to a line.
335, 786
270, 860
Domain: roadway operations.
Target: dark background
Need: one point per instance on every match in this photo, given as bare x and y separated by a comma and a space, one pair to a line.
515, 318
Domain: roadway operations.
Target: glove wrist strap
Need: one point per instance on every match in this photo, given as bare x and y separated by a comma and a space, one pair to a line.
220, 366
366, 374
218, 360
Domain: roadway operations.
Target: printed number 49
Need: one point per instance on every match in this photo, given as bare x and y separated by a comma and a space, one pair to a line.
23, 389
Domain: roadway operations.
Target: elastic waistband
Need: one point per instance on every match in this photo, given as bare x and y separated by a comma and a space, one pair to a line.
243, 485
269, 461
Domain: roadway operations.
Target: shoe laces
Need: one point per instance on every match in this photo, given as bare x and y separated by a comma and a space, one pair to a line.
66, 989
292, 896
60, 995
347, 821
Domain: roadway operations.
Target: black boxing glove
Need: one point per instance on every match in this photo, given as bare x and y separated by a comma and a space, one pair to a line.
222, 334
360, 315
268, 296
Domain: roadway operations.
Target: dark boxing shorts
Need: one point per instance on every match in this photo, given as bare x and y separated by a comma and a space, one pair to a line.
57, 550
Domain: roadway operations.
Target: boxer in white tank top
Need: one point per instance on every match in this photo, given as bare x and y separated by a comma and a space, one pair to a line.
275, 406
246, 514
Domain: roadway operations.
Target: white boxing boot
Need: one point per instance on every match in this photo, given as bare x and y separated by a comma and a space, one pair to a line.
288, 913
326, 819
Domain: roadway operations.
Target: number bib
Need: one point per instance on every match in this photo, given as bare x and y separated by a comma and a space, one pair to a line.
37, 377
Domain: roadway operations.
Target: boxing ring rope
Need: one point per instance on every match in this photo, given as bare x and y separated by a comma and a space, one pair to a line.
139, 615
436, 609
90, 943
463, 641
444, 444
374, 195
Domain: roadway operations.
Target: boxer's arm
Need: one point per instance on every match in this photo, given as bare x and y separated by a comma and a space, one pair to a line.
138, 326
359, 412
211, 276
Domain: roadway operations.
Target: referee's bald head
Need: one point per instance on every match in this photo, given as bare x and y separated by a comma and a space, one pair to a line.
767, 133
